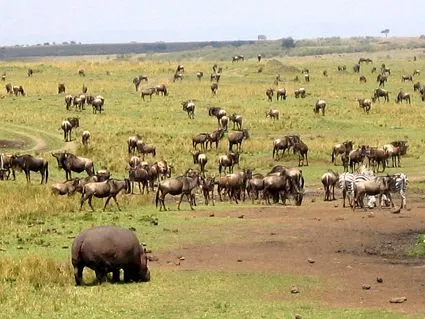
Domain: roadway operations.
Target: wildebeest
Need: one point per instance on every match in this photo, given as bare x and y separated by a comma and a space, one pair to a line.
177, 76
356, 157
207, 187
405, 78
202, 139
365, 60
215, 137
85, 138
238, 58
144, 148
236, 138
269, 94
84, 89
273, 114
302, 149
199, 75
236, 184
223, 122
189, 107
140, 175
237, 121
417, 86
30, 72
365, 104
18, 90
71, 163
181, 185
380, 186
201, 159
254, 186
28, 163
161, 89
81, 72
307, 77
97, 104
8, 88
376, 157
61, 88
342, 68
180, 68
132, 143
214, 88
280, 144
403, 96
320, 105
228, 161
378, 93
65, 188
394, 152
362, 79
356, 68
281, 94
343, 148
218, 112
329, 180
67, 126
416, 72
138, 80
325, 73
109, 249
373, 70
6, 166
381, 78
148, 91
300, 93
215, 77
109, 189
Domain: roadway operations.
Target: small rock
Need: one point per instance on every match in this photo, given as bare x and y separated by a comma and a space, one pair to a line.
295, 290
212, 215
371, 215
65, 247
365, 287
272, 234
298, 316
313, 200
241, 216
19, 247
380, 280
398, 300
336, 206
240, 260
70, 237
338, 219
177, 263
175, 230
154, 222
181, 258
132, 229
311, 260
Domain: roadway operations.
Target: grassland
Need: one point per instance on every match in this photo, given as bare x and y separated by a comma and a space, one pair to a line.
36, 228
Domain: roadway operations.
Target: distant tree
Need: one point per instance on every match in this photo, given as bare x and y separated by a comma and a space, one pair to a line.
46, 43
262, 37
65, 42
288, 43
72, 42
385, 31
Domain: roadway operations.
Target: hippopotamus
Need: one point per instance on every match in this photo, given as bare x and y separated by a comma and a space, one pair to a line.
108, 249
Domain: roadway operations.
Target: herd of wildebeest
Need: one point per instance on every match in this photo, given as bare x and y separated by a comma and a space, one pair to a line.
92, 247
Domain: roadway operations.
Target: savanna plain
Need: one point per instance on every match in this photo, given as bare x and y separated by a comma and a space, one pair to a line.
231, 260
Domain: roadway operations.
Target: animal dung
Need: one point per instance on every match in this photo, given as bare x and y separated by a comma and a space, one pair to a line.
366, 287
311, 260
380, 280
295, 290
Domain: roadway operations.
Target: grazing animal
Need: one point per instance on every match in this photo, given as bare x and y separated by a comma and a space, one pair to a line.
300, 93
269, 94
228, 161
365, 60
342, 68
273, 114
30, 72
181, 185
85, 138
214, 88
379, 186
381, 78
138, 80
65, 188
416, 72
362, 79
109, 189
237, 121
144, 148
161, 89
8, 88
347, 180
302, 149
189, 107
215, 77
236, 184
67, 126
394, 152
325, 73
373, 70
218, 112
224, 122
199, 75
61, 88
28, 163
398, 184
378, 93
356, 68
417, 86
140, 175
365, 104
109, 249
405, 78
403, 96
180, 68
177, 76
201, 159
215, 137
280, 144
356, 157
376, 157
84, 89
6, 167
339, 149
281, 94
238, 58
132, 143
255, 186
148, 91
97, 104
71, 163
18, 90
68, 101
307, 77
236, 138
202, 139
320, 105
207, 187
81, 72
329, 180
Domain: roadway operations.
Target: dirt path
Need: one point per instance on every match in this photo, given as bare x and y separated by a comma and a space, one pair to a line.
349, 249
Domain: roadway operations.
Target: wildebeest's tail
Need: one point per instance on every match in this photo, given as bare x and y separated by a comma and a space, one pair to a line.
46, 172
333, 156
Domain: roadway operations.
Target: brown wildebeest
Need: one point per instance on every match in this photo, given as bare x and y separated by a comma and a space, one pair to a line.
273, 114
277, 79
237, 121
81, 72
132, 143
84, 89
378, 93
381, 78
71, 163
394, 152
238, 58
139, 79
65, 188
8, 88
214, 88
380, 186
67, 126
109, 189
180, 68
181, 185
3, 77
215, 77
148, 91
356, 157
373, 70
144, 148
215, 137
228, 161
300, 93
320, 105
161, 89
307, 77
18, 90
139, 175
30, 72
342, 68
61, 88
269, 94
280, 144
377, 156
207, 187
405, 78
302, 149
365, 104
223, 122
6, 166
403, 96
28, 163
325, 73
255, 186
202, 139
281, 94
199, 75
85, 138
329, 180
177, 76
68, 101
218, 112
201, 159
259, 57
365, 60
236, 138
339, 149
362, 79
189, 107
236, 184
416, 72
356, 68
417, 86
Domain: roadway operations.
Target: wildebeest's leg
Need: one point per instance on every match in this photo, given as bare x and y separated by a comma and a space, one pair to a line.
100, 275
181, 198
78, 274
28, 176
344, 195
306, 159
116, 202
333, 192
90, 199
116, 275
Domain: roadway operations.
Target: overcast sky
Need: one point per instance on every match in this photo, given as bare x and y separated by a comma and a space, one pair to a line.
104, 21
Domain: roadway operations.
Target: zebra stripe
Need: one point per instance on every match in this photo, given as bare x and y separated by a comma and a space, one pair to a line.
347, 181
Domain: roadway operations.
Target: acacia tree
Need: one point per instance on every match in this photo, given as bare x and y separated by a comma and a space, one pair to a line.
385, 31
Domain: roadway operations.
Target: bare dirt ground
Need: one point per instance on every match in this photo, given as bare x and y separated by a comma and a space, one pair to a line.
349, 249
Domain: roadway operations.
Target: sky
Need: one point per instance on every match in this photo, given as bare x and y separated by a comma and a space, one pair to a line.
121, 21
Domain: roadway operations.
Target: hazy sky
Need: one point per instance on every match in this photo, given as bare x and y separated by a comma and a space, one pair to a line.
103, 21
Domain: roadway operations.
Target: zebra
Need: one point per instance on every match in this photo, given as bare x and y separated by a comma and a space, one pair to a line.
347, 180
398, 185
